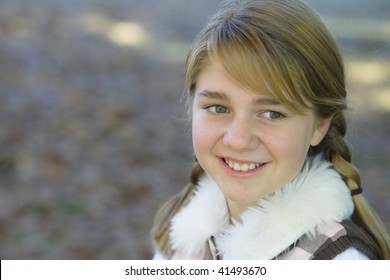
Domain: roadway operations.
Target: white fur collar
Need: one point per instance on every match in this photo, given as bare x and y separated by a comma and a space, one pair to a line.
315, 198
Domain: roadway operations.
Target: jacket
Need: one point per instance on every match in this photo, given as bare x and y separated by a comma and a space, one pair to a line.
316, 203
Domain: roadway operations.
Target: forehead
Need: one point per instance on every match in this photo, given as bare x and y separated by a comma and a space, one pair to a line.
214, 83
253, 77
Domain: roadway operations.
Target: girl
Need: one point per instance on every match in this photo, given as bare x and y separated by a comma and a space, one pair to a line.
273, 177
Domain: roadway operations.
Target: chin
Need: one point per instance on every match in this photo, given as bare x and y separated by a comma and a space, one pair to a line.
241, 198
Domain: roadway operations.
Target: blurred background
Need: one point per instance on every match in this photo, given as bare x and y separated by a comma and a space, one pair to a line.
92, 132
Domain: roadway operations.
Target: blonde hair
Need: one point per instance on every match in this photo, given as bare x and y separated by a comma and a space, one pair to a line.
280, 48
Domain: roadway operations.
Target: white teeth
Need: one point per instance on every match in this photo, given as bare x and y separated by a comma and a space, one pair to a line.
242, 167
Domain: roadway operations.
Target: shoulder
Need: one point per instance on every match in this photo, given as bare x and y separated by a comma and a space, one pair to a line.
351, 254
338, 241
344, 240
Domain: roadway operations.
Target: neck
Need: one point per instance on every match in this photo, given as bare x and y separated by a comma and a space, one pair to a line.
235, 209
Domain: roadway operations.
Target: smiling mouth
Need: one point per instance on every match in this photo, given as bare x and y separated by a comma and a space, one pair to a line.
243, 167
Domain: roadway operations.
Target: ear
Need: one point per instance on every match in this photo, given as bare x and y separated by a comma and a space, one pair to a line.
320, 130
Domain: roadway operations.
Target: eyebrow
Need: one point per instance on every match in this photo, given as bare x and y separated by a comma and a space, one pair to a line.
213, 95
264, 100
267, 101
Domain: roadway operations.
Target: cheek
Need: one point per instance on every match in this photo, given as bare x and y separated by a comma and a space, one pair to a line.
289, 151
294, 142
197, 139
200, 134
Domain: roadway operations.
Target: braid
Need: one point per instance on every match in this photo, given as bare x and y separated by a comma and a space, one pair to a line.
161, 226
337, 150
340, 153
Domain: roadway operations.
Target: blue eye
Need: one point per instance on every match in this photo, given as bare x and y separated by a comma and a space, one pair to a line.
218, 109
272, 115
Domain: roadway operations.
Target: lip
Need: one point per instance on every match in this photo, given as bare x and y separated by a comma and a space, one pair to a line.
239, 161
236, 173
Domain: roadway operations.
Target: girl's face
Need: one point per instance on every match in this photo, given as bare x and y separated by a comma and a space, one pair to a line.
249, 143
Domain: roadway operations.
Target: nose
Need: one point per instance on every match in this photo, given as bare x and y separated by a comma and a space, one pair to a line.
240, 135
